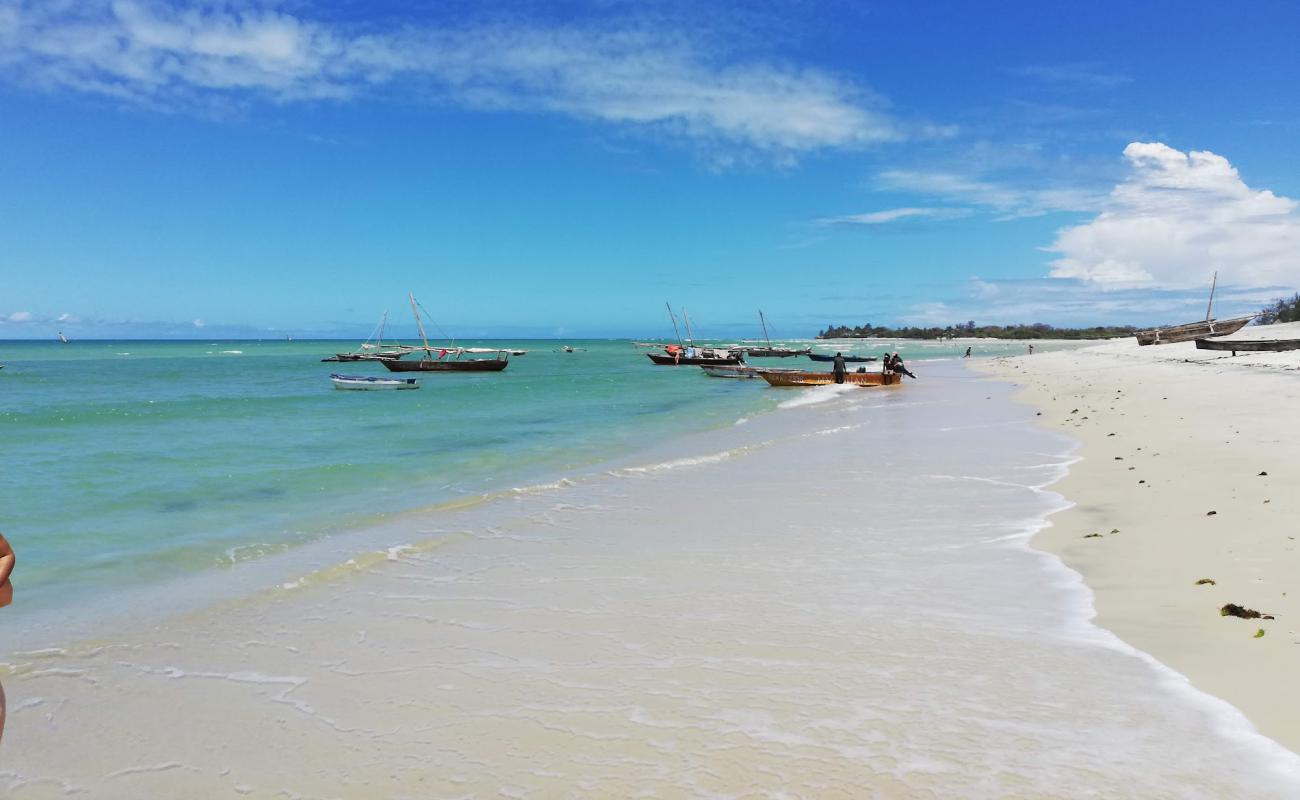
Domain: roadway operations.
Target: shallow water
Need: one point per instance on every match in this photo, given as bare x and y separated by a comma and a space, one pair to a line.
832, 600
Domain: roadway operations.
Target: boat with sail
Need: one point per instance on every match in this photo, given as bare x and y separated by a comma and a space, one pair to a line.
372, 383
63, 338
685, 353
448, 359
1205, 329
373, 348
770, 350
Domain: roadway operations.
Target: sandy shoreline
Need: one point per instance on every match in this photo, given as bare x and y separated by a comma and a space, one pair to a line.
1188, 466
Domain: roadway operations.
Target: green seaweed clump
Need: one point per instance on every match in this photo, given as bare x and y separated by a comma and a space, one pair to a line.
1259, 633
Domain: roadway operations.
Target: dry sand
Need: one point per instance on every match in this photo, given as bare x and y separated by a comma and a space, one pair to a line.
1188, 471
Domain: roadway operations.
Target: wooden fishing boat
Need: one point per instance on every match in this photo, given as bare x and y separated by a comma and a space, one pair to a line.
449, 359
373, 348
847, 359
371, 383
768, 350
1249, 345
704, 357
729, 370
781, 377
1194, 330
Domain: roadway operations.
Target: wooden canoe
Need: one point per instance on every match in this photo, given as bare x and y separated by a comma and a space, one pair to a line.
1192, 330
800, 378
449, 365
665, 360
847, 359
1249, 345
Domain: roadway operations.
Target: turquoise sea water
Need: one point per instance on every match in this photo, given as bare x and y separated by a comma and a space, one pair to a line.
127, 462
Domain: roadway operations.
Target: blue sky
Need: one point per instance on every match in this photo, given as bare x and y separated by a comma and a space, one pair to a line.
562, 169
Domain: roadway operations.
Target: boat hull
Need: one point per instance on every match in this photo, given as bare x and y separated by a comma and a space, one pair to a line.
800, 378
1192, 330
368, 383
730, 371
669, 361
775, 352
1249, 345
847, 359
457, 365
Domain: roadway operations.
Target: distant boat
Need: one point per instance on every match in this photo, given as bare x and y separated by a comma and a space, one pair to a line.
1249, 345
63, 338
1194, 330
518, 352
373, 348
784, 377
371, 383
450, 359
847, 359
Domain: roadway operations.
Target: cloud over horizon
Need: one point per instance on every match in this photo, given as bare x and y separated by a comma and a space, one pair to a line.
211, 55
1177, 218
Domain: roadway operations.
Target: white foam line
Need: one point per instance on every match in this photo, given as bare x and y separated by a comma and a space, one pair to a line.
163, 767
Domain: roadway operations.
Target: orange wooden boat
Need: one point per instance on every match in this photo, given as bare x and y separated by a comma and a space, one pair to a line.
800, 378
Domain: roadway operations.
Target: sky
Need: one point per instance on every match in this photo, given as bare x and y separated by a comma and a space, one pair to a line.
563, 169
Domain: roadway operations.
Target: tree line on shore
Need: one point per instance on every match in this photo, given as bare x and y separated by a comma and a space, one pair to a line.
1282, 309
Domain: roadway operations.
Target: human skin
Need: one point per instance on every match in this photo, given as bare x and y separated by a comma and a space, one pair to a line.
7, 561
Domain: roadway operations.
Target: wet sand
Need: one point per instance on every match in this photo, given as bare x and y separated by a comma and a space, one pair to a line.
1190, 463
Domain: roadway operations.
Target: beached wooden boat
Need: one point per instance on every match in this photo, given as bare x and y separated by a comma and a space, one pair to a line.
449, 359
1249, 345
1171, 334
371, 383
780, 377
1192, 330
847, 359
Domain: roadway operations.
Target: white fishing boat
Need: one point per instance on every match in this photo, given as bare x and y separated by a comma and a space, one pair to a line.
371, 383
730, 371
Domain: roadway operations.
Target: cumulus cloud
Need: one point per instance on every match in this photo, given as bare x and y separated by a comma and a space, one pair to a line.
21, 316
198, 323
894, 215
210, 54
1177, 218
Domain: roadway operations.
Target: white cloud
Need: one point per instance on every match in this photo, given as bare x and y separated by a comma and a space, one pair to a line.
198, 323
1177, 218
894, 215
1009, 201
21, 316
211, 55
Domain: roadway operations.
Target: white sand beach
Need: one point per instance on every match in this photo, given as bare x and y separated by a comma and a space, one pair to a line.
835, 599
1188, 472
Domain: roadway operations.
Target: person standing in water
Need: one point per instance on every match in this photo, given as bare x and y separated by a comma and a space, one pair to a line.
6, 597
1031, 349
837, 367
967, 353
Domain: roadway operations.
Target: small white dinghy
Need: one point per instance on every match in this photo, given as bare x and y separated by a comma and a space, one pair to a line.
369, 382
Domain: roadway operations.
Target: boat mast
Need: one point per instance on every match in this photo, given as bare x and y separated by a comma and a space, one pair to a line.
764, 322
673, 317
419, 324
689, 336
1213, 283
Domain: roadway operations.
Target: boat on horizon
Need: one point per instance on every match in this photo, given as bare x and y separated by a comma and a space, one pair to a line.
371, 383
1170, 334
373, 348
63, 338
449, 359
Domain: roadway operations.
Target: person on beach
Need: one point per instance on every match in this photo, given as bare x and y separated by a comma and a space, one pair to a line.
1031, 349
967, 353
896, 365
6, 597
837, 367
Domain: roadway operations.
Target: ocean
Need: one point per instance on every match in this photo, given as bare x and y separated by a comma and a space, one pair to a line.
814, 593
131, 463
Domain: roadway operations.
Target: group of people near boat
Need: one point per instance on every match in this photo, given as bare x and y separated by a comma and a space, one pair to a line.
891, 363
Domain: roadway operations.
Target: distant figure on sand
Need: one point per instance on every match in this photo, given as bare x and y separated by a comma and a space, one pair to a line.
967, 353
896, 365
1031, 349
837, 367
6, 597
